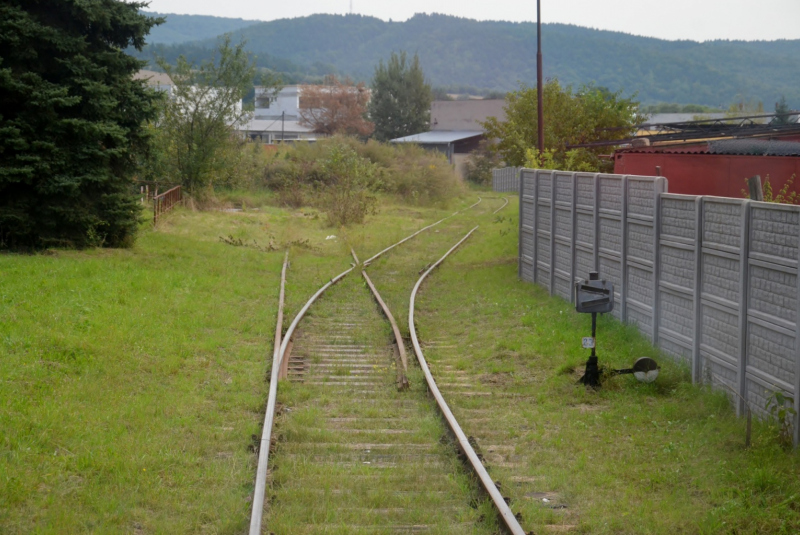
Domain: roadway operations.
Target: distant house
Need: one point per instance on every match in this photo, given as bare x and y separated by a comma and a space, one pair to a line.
456, 128
277, 116
162, 82
156, 80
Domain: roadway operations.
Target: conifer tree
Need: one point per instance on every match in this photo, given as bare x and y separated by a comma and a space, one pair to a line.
401, 99
71, 121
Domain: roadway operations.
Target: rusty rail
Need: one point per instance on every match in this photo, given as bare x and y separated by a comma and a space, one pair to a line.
269, 417
370, 259
399, 346
165, 202
506, 204
257, 511
508, 517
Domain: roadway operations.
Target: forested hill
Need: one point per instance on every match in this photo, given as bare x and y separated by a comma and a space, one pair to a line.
497, 55
183, 28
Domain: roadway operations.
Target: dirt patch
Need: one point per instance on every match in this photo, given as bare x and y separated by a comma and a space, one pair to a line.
497, 379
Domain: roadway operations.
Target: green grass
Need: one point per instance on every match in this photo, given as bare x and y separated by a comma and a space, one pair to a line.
131, 382
663, 458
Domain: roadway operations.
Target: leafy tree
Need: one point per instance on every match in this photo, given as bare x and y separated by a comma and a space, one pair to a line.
401, 99
588, 115
336, 107
203, 111
71, 121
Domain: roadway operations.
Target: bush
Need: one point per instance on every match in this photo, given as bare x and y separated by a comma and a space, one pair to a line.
238, 164
348, 184
408, 172
422, 177
480, 164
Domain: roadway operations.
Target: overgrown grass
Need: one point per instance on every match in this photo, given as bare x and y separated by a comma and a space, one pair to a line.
667, 457
132, 381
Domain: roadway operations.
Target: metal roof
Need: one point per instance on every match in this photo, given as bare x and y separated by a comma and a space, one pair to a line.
756, 147
274, 125
734, 147
439, 137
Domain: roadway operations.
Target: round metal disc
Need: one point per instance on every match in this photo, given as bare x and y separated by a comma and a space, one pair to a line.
645, 370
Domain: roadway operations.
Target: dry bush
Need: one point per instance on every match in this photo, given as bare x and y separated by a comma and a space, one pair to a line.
302, 174
422, 177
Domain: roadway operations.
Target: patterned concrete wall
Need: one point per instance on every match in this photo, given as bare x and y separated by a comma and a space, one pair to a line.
506, 180
712, 281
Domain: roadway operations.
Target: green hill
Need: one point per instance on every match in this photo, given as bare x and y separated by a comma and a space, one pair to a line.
492, 55
183, 28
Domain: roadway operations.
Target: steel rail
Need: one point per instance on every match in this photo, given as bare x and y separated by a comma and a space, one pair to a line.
263, 452
506, 204
402, 370
269, 416
257, 512
368, 260
402, 375
502, 507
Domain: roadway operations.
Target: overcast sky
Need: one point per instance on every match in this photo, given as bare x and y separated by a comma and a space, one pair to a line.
699, 20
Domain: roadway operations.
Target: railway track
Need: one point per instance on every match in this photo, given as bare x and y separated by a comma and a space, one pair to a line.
357, 450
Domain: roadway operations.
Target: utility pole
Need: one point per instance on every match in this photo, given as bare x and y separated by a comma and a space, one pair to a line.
283, 122
539, 87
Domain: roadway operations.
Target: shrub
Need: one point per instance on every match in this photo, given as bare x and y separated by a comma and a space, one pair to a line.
349, 181
480, 164
408, 172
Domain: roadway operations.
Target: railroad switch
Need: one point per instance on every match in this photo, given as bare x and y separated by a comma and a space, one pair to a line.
595, 296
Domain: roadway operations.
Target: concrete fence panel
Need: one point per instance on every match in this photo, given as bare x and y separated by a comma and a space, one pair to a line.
563, 273
506, 180
527, 225
722, 292
544, 223
677, 275
772, 341
642, 209
611, 236
712, 281
586, 222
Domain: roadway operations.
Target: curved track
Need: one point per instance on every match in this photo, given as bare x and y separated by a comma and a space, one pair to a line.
334, 353
506, 515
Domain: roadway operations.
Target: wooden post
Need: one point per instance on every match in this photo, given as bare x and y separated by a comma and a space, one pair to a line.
756, 191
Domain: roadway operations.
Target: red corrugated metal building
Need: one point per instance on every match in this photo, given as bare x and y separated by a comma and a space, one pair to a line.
718, 167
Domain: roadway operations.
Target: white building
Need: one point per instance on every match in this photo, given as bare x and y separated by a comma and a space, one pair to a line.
277, 116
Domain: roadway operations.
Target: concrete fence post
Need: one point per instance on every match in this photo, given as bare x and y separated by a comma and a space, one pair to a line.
573, 237
623, 291
535, 193
658, 189
521, 192
553, 189
796, 384
597, 223
698, 320
744, 246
